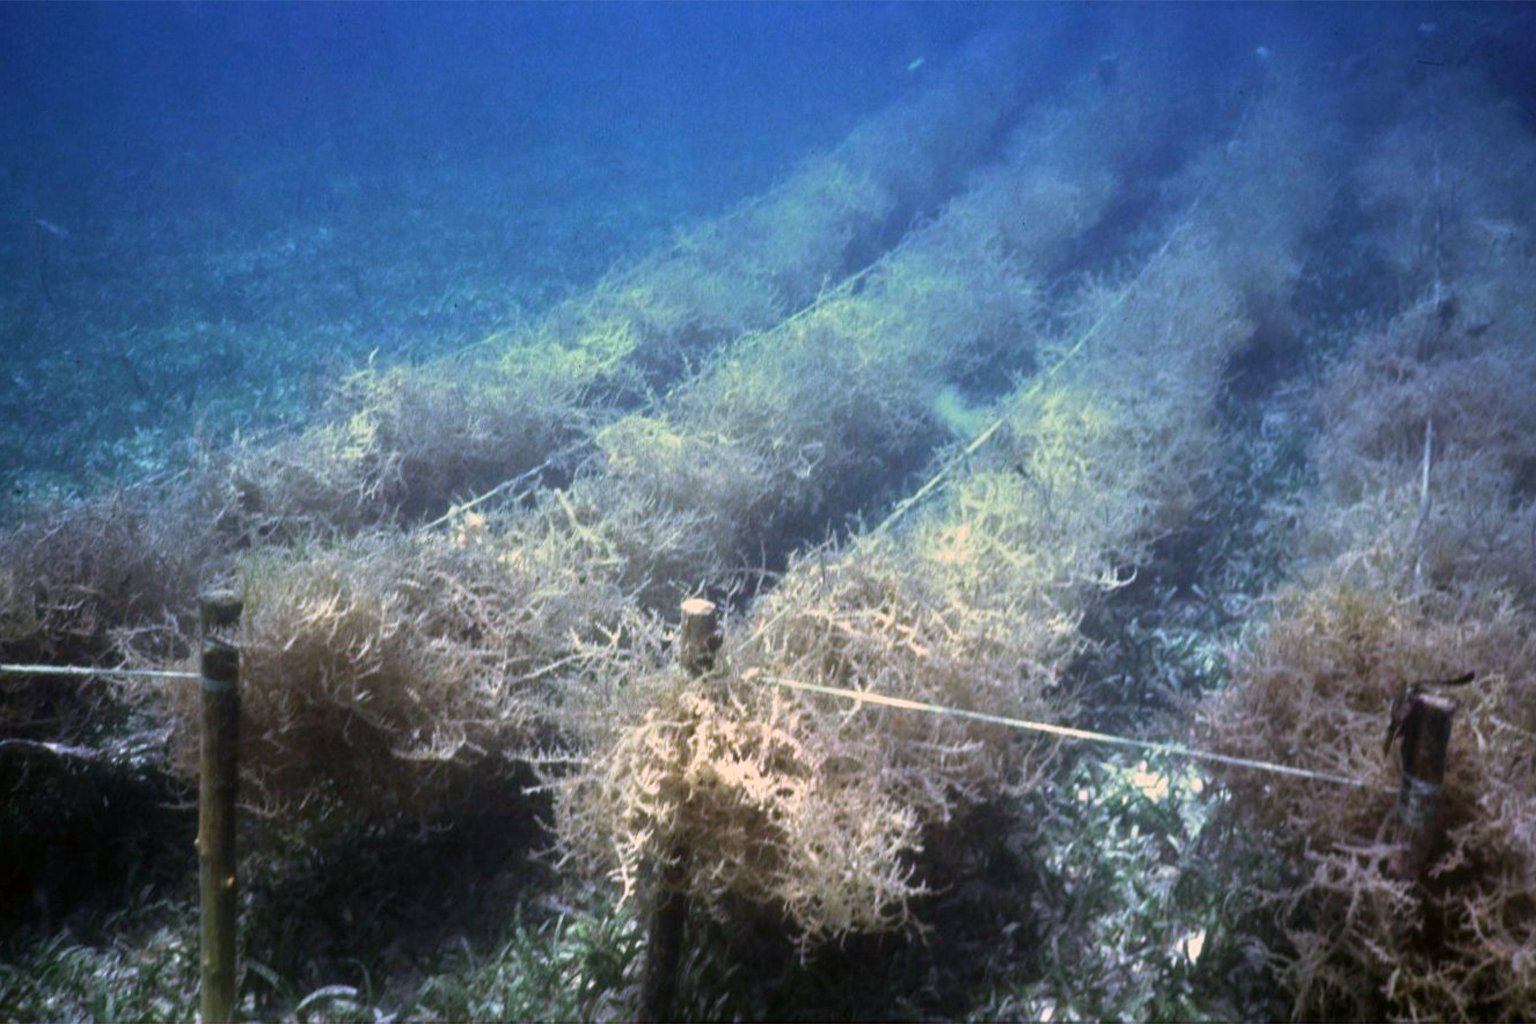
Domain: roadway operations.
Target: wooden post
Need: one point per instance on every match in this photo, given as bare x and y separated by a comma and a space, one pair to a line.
699, 639
698, 643
218, 787
1426, 733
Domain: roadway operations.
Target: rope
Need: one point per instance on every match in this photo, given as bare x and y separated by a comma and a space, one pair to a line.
456, 511
1036, 385
1068, 732
863, 697
842, 289
72, 670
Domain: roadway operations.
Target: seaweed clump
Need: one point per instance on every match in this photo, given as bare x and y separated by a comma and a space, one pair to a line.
1415, 562
400, 679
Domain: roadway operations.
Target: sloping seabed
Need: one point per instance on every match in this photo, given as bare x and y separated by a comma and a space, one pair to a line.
1201, 414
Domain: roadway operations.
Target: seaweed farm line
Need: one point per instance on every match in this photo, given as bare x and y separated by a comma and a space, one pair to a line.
1065, 732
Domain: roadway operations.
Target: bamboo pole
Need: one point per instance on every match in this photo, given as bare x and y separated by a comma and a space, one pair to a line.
218, 787
698, 643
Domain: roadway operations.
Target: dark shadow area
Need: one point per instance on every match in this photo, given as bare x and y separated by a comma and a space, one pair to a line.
370, 909
80, 836
977, 925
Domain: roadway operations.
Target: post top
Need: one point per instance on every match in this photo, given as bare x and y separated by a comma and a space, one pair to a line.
1436, 702
220, 609
698, 606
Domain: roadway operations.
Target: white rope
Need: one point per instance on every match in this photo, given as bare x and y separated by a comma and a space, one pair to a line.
72, 670
1068, 732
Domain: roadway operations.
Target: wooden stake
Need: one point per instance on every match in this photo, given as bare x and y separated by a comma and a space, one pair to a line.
698, 643
664, 942
1424, 722
218, 788
699, 640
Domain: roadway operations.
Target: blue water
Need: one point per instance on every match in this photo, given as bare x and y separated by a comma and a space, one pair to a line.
706, 101
242, 203
270, 193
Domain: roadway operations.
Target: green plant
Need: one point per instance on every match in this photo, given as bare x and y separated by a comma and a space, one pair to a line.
144, 967
579, 965
1141, 918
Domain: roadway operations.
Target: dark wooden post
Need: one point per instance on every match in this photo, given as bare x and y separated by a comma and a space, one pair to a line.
698, 642
218, 787
1426, 733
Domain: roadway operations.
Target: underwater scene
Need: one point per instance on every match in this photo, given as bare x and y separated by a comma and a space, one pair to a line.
767, 511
